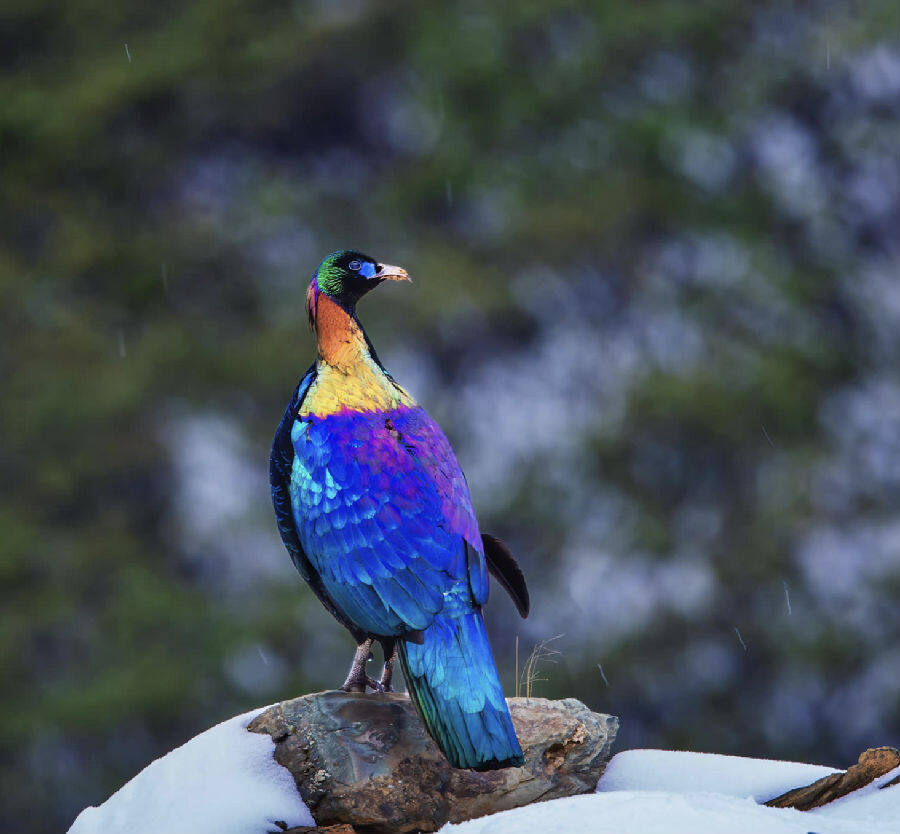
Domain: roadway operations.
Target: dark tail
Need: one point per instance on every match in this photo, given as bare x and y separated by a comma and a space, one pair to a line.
453, 682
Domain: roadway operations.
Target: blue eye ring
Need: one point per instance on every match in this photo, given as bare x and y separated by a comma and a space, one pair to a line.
355, 266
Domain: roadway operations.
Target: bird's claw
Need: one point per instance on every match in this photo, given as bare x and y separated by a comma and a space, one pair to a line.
361, 683
357, 679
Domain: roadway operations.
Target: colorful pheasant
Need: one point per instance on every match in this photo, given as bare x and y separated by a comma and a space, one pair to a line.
377, 517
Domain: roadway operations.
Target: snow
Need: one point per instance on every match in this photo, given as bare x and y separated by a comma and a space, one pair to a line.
658, 812
224, 780
670, 792
683, 772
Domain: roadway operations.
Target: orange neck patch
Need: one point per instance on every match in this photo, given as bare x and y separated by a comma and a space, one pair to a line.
339, 337
347, 377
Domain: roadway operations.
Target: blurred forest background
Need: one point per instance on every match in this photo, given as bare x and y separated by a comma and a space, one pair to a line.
656, 309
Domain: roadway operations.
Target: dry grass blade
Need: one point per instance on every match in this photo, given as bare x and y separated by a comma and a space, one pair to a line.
529, 675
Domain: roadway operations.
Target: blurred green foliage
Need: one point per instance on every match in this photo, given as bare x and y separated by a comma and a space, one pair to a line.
656, 175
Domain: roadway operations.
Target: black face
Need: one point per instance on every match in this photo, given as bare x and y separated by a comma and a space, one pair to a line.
347, 275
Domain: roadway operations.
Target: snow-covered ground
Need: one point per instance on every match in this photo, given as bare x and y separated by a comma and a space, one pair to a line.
655, 812
225, 781
683, 772
664, 792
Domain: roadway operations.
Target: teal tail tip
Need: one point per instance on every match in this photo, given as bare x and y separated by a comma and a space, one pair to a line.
453, 682
493, 764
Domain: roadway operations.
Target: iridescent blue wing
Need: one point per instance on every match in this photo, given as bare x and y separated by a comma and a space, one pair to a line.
425, 440
280, 464
384, 513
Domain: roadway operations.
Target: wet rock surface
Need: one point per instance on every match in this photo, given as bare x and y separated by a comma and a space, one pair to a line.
367, 762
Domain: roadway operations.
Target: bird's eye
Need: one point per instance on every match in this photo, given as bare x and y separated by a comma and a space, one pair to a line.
354, 265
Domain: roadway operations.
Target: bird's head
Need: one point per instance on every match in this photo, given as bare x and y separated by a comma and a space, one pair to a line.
346, 276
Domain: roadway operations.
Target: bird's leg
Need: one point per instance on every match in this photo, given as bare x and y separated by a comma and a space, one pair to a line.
357, 679
389, 647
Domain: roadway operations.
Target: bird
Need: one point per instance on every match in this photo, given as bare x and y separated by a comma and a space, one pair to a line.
376, 514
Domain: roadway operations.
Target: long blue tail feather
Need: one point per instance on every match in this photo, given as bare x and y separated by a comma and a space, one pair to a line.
453, 682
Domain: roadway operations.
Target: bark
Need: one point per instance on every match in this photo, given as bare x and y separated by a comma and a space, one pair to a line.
872, 764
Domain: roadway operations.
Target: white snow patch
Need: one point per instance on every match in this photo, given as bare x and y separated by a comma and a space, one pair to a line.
683, 772
223, 781
669, 792
658, 812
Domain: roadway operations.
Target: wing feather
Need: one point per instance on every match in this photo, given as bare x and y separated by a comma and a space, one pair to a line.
281, 462
406, 522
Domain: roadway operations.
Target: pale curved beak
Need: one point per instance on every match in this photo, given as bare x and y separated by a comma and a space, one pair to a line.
386, 272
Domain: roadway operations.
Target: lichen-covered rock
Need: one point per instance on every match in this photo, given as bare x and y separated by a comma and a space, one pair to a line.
366, 760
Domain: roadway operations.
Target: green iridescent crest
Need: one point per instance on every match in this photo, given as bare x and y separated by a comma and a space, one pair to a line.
342, 271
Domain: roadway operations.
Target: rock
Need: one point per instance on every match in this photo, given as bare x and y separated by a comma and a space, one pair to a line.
872, 763
366, 760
